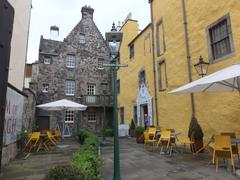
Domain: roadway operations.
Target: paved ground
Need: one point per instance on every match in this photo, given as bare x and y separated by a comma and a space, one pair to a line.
138, 164
38, 164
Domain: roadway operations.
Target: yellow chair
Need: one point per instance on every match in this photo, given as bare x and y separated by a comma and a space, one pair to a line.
165, 140
190, 142
234, 146
223, 149
58, 135
50, 140
149, 138
33, 140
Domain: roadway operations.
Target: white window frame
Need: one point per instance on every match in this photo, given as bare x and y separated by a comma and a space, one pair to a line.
47, 60
92, 117
82, 39
70, 87
91, 89
45, 88
69, 117
71, 61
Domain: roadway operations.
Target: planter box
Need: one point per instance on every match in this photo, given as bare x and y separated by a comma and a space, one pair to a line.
132, 132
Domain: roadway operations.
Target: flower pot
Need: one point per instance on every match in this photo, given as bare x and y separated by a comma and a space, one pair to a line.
140, 138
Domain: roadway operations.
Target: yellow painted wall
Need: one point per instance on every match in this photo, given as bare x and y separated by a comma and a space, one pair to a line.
141, 61
216, 112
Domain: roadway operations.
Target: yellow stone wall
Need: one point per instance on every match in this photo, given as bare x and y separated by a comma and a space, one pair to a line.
216, 112
141, 61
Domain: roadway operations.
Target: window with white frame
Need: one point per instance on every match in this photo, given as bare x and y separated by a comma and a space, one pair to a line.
45, 88
47, 60
69, 117
82, 39
100, 63
92, 117
70, 87
91, 89
71, 61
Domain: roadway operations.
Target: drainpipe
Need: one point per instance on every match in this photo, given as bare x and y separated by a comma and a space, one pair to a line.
188, 54
154, 65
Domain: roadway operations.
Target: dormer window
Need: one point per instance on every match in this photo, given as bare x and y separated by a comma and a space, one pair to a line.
82, 39
47, 60
71, 61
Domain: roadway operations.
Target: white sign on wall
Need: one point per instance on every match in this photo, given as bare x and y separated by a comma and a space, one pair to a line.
13, 116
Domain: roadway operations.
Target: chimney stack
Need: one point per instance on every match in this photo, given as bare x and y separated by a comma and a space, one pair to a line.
54, 32
87, 12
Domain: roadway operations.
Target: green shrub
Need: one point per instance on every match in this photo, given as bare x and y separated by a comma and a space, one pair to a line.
86, 158
81, 135
108, 132
139, 130
64, 173
89, 164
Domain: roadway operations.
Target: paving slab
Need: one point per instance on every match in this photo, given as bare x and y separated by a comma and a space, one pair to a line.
38, 164
139, 164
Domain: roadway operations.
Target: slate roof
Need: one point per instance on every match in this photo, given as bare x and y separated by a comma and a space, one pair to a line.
48, 46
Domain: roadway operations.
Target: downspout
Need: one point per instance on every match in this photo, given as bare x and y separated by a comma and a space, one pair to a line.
188, 58
154, 65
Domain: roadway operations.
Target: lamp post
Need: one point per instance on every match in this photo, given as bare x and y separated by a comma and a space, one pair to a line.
201, 67
113, 39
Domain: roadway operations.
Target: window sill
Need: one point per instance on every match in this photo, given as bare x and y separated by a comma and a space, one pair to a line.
213, 61
69, 122
69, 94
71, 67
92, 121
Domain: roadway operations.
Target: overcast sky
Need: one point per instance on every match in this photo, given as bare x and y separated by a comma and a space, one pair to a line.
67, 13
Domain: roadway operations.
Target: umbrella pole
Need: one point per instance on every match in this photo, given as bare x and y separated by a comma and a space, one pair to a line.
63, 126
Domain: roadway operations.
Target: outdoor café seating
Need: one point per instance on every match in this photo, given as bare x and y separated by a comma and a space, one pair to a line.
222, 148
32, 141
165, 141
149, 138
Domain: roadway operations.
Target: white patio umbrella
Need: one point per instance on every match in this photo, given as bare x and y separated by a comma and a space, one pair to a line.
63, 105
225, 80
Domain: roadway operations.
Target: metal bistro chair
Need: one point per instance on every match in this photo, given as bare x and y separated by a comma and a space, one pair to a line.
223, 149
234, 146
33, 141
149, 138
165, 141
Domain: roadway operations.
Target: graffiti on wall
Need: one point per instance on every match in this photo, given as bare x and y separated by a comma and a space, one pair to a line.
13, 116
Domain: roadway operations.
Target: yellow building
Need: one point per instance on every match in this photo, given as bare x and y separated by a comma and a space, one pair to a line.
182, 32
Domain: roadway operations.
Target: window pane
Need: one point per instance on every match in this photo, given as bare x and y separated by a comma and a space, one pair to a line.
70, 87
71, 61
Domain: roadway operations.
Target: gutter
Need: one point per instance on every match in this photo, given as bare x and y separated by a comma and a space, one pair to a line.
188, 57
154, 64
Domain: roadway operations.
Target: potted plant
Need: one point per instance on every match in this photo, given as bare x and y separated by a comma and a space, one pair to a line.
132, 127
195, 133
139, 134
22, 139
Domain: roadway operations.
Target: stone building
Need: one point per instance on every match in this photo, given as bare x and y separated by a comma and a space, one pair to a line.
73, 69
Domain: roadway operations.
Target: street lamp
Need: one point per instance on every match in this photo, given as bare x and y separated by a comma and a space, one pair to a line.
201, 67
113, 39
